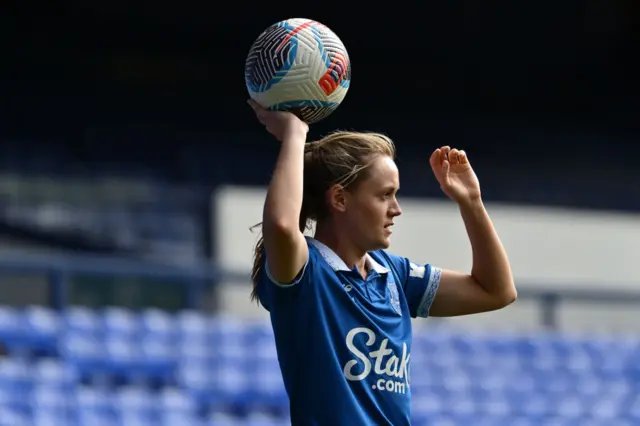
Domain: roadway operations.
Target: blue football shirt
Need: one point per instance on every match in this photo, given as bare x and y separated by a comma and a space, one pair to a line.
343, 342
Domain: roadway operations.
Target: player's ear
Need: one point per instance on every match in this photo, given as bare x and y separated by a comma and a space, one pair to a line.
337, 199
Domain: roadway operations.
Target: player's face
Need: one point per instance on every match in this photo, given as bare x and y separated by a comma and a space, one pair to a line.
372, 207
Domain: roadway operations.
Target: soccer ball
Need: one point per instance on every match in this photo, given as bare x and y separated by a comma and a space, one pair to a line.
298, 65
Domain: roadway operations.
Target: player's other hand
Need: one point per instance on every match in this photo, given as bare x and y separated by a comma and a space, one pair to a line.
455, 175
283, 125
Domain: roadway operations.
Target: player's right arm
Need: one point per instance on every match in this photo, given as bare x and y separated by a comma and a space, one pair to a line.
285, 245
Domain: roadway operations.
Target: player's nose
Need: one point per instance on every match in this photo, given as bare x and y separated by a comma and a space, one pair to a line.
396, 210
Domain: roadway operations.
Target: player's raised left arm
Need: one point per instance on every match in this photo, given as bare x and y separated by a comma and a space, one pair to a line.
490, 284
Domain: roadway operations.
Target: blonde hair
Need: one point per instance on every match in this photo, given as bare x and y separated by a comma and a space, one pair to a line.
339, 158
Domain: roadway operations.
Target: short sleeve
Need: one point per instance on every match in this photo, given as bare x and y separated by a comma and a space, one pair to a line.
420, 283
270, 291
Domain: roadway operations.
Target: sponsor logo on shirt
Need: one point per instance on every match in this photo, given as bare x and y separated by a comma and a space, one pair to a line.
391, 369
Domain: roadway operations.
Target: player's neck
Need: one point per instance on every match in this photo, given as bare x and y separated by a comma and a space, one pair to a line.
348, 252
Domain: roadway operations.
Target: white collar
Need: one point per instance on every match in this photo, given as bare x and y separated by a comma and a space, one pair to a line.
338, 264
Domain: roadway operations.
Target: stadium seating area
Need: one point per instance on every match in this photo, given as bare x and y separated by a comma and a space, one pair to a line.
151, 218
118, 367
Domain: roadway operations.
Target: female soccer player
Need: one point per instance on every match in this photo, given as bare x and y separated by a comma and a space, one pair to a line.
341, 305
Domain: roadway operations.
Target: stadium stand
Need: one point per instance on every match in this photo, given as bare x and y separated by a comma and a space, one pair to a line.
119, 367
104, 214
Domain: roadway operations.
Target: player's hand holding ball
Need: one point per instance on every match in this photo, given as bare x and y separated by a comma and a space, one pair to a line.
281, 124
455, 175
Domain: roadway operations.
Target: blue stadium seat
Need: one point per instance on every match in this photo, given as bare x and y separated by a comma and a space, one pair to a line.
172, 400
42, 326
120, 322
221, 420
15, 375
158, 352
192, 327
177, 419
262, 419
83, 351
135, 400
54, 374
45, 418
82, 321
195, 376
14, 417
11, 327
31, 331
205, 371
159, 324
88, 417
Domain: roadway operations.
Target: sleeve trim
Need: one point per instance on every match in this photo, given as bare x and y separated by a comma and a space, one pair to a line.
435, 274
286, 285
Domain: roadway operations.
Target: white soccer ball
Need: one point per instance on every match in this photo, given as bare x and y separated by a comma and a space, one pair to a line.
298, 65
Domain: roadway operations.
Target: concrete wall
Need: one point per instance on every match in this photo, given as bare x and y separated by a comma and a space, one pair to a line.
549, 248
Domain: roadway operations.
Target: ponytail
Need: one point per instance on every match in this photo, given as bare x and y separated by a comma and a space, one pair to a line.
258, 256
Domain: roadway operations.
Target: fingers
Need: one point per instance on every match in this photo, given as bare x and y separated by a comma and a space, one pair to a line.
447, 154
435, 159
445, 167
454, 156
439, 155
458, 157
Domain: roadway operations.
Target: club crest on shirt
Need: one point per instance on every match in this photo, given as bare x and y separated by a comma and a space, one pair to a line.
394, 297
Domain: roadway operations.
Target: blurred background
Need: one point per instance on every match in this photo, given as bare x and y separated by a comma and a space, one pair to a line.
131, 170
